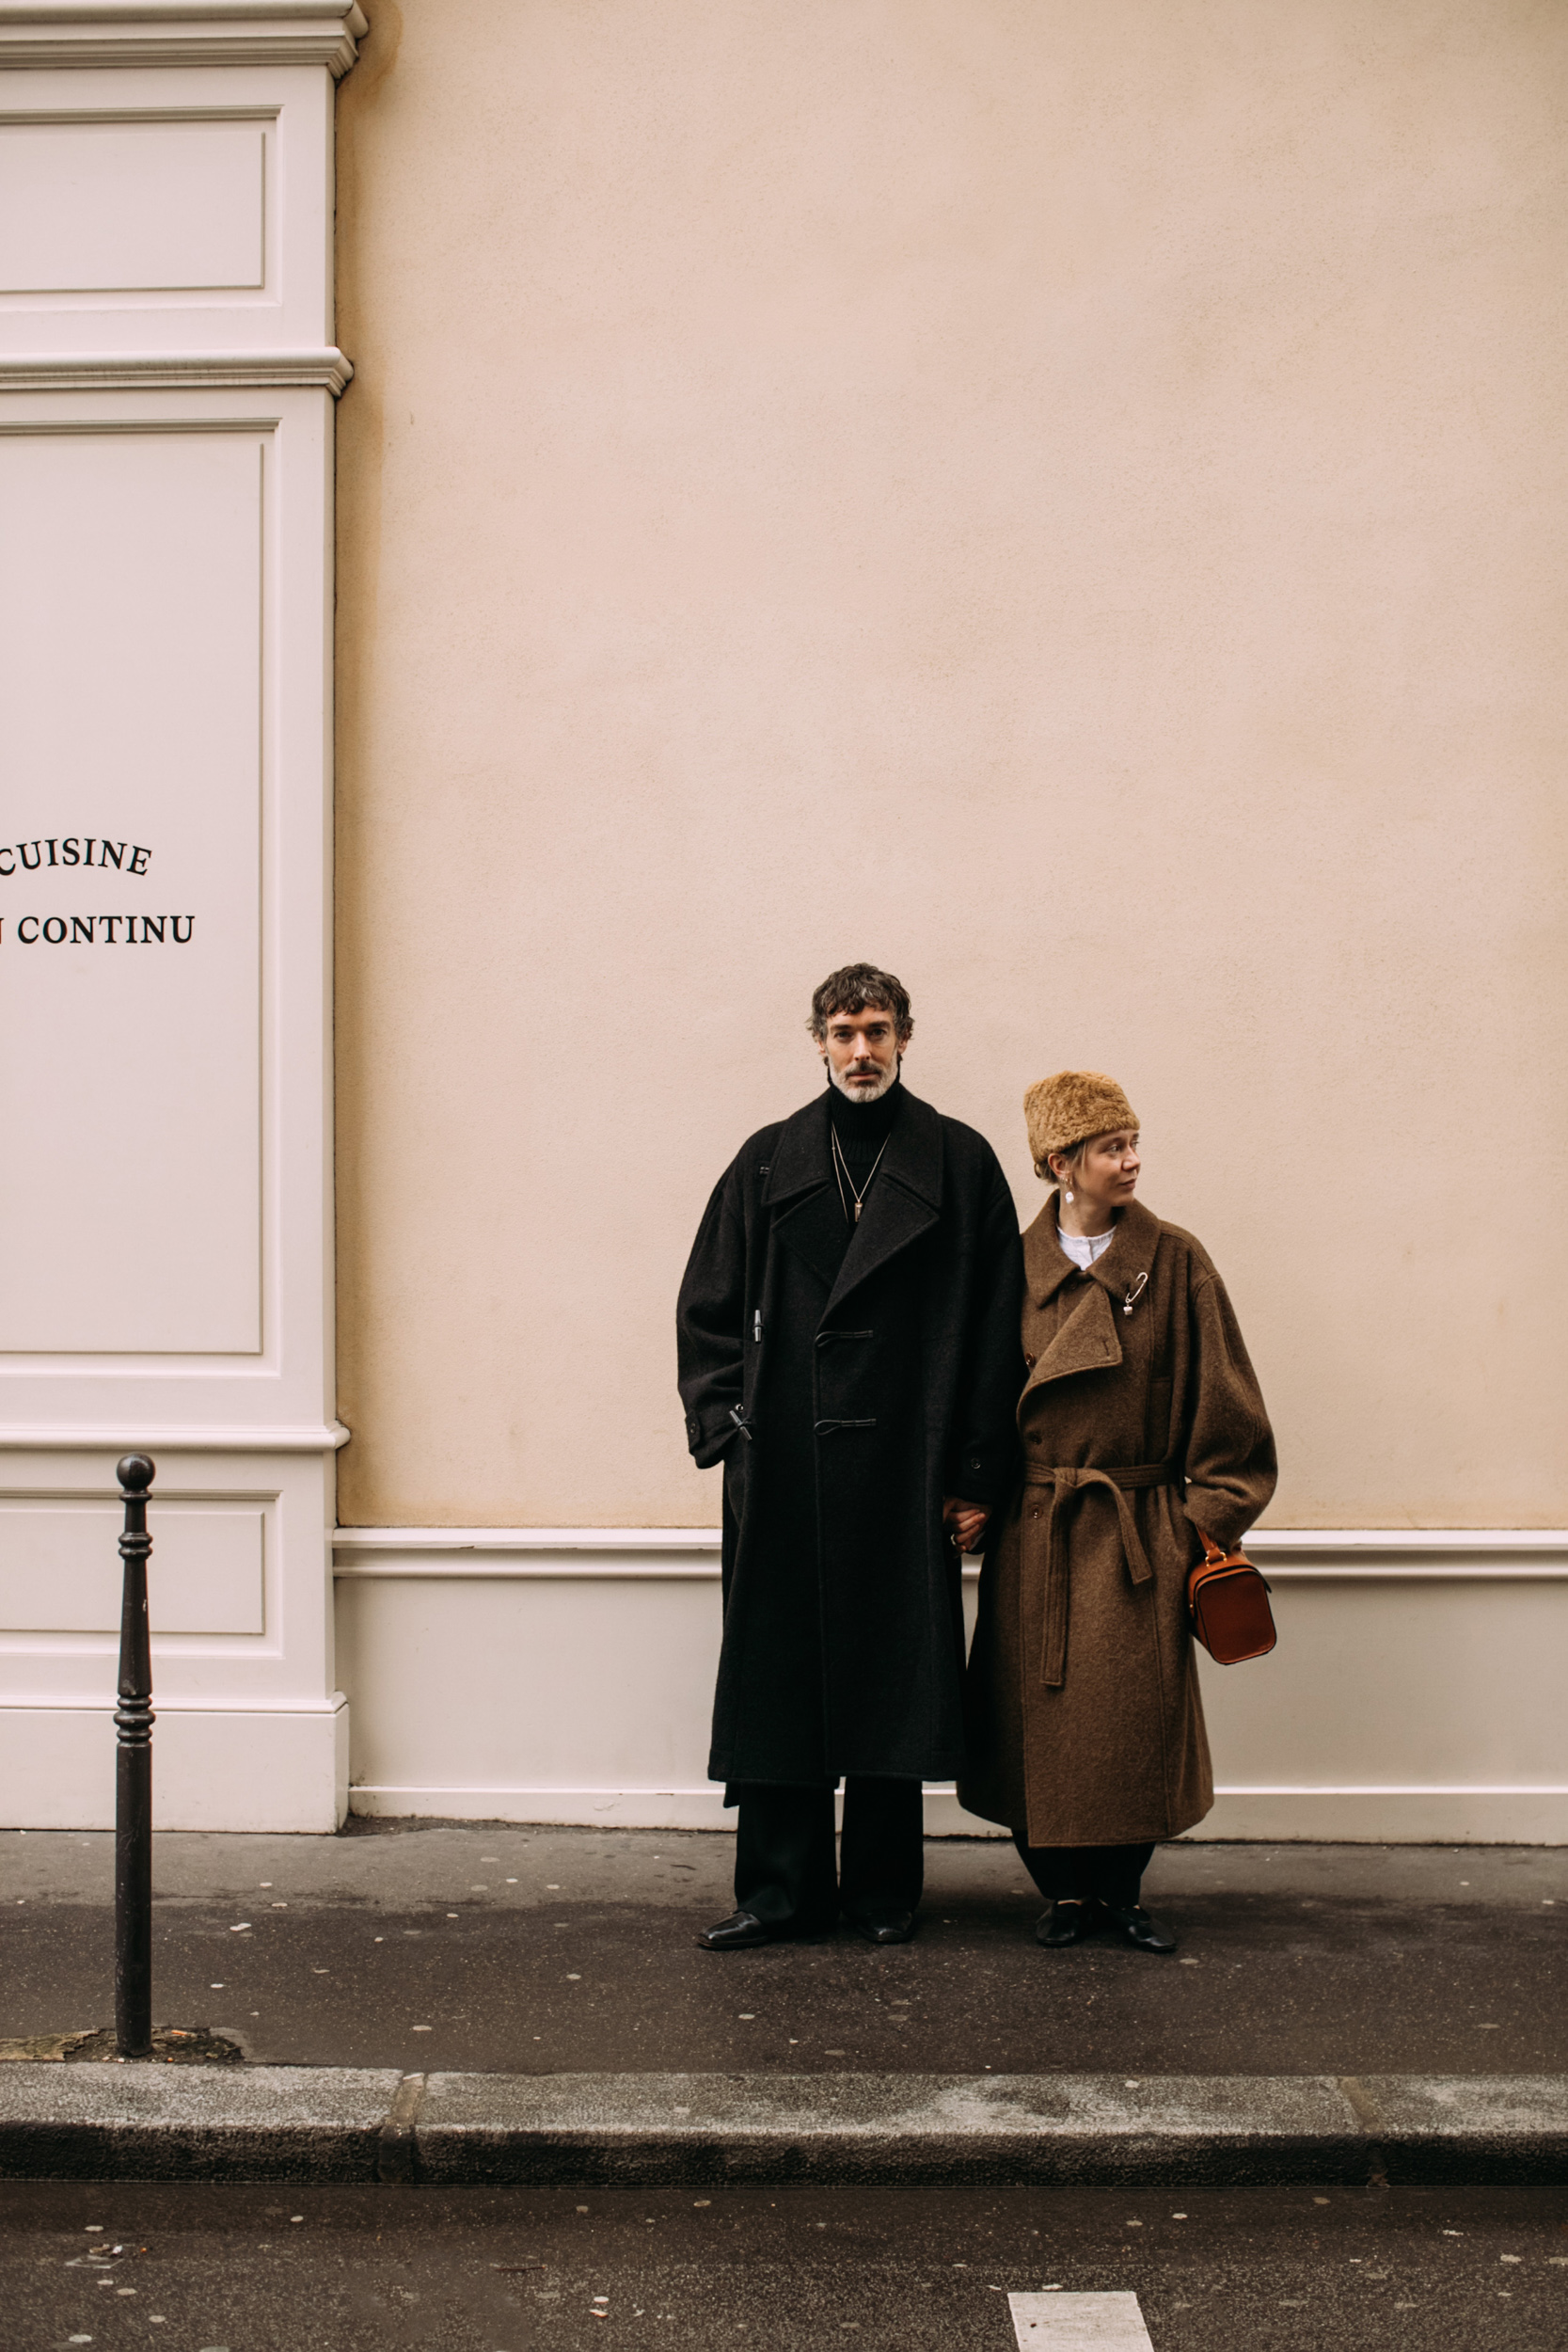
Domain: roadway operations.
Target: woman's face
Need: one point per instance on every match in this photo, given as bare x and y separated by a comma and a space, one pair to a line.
1107, 1174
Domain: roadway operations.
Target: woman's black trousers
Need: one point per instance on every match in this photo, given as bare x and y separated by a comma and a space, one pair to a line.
1084, 1873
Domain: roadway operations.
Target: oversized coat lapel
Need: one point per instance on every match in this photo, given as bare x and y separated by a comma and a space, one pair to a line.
1088, 1339
808, 1215
903, 1201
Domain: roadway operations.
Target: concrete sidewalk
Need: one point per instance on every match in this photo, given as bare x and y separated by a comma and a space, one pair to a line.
447, 2003
497, 1950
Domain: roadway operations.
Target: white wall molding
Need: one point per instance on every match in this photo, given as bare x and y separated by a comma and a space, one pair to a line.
326, 371
1289, 1554
1397, 1552
149, 1437
659, 1552
324, 33
565, 1675
528, 1539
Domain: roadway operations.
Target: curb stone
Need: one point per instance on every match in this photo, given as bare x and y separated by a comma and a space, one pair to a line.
891, 2129
141, 2121
151, 2123
1504, 2131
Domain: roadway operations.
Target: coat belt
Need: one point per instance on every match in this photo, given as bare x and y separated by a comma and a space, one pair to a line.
1066, 1485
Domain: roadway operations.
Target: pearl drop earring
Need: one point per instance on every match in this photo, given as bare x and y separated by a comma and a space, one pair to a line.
1066, 1196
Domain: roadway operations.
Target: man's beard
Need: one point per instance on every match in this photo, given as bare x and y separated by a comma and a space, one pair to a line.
862, 1093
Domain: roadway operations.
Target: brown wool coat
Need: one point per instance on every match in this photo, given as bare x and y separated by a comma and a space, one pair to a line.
1085, 1724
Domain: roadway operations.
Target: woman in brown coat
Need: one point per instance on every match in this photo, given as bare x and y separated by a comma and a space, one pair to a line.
1141, 1423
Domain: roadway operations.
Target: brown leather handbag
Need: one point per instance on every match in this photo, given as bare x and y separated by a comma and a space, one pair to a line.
1228, 1604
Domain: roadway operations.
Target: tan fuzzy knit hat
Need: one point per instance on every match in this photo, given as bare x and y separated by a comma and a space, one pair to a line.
1070, 1107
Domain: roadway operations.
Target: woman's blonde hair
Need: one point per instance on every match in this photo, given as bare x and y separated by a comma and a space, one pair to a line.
1074, 1154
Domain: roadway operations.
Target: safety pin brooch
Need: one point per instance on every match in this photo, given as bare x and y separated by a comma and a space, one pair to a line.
1134, 1291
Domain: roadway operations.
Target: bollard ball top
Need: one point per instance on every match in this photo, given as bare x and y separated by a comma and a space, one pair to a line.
135, 1472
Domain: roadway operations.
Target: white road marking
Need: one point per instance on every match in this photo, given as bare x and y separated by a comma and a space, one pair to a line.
1079, 2323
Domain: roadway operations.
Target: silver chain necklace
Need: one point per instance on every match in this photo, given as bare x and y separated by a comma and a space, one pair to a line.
841, 1170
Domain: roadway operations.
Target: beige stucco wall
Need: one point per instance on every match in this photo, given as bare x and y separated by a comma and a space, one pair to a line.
1066, 502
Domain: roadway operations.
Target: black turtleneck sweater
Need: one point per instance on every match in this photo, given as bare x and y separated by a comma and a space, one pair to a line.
862, 1129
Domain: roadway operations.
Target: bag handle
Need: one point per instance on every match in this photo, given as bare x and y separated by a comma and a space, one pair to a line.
1215, 1557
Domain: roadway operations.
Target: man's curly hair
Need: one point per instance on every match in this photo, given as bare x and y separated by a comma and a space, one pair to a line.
861, 988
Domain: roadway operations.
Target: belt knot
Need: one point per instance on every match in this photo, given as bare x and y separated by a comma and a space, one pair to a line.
1068, 1485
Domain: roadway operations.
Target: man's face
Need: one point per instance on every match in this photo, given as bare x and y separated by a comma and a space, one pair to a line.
860, 1050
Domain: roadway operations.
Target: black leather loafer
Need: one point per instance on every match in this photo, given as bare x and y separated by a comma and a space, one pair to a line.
740, 1933
882, 1927
1064, 1923
1136, 1927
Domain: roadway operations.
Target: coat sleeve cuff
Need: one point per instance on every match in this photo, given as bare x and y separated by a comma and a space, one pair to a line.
980, 1474
710, 1437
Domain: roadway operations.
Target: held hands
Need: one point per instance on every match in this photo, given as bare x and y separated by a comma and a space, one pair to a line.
965, 1524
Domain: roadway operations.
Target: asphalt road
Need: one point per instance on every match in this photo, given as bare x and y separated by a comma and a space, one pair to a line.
497, 1949
233, 2269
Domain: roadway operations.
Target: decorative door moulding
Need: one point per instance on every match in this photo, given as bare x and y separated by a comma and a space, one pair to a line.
131, 372
183, 1438
164, 666
163, 210
167, 380
145, 33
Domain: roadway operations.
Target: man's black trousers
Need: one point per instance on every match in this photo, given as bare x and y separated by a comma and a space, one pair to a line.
784, 1854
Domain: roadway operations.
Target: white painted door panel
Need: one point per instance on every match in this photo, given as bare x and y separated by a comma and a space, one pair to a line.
131, 207
60, 1570
130, 1013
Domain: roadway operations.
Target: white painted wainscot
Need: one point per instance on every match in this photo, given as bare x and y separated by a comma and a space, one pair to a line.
167, 379
566, 1674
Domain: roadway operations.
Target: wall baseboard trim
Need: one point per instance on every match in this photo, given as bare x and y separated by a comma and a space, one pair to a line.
613, 1808
1480, 1816
1267, 1815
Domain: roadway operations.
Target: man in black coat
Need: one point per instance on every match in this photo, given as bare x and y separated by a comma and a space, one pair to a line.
850, 1350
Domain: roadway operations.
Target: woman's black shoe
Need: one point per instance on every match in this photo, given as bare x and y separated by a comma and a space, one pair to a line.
740, 1933
1136, 1928
1064, 1923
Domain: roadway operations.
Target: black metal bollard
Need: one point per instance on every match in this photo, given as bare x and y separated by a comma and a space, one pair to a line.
134, 1775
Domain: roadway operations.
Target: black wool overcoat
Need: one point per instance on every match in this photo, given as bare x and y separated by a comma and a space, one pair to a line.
871, 1381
